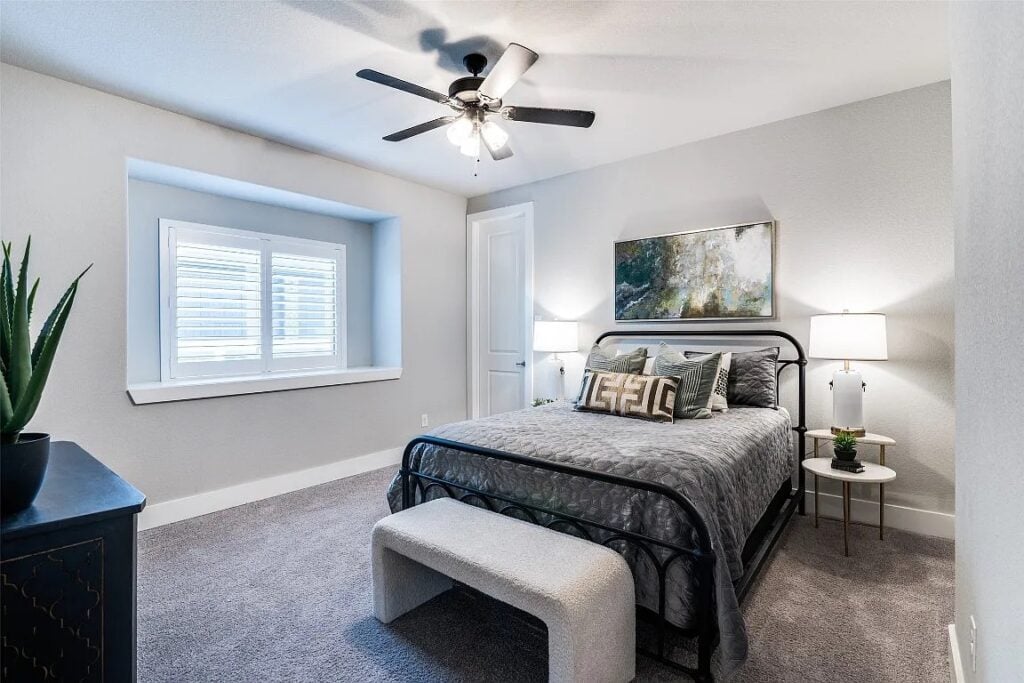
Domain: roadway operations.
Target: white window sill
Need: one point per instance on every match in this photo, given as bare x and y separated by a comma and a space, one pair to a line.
186, 390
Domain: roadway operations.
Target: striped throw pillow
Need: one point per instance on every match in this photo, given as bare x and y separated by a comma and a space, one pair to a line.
645, 397
697, 378
720, 396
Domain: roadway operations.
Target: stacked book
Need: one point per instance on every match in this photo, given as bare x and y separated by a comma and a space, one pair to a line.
853, 466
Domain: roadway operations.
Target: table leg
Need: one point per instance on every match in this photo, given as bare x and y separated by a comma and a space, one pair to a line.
815, 501
846, 518
881, 512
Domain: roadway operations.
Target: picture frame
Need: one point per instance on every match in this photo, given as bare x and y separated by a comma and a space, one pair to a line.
709, 274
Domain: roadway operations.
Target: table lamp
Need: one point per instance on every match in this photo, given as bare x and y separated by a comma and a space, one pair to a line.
848, 336
555, 337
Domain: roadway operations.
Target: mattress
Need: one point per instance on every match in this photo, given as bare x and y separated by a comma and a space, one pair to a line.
729, 467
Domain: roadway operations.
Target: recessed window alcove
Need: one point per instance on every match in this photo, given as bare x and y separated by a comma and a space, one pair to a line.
368, 306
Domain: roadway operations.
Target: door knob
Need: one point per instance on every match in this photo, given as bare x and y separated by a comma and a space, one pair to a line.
521, 364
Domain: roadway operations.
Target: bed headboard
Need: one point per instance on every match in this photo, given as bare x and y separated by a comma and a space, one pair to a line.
784, 361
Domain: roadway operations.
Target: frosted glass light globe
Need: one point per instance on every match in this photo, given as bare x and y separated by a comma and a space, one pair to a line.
471, 147
459, 131
494, 135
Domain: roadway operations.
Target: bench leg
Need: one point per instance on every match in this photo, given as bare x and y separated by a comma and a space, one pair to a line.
400, 584
595, 642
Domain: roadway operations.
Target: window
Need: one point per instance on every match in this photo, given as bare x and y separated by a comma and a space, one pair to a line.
239, 303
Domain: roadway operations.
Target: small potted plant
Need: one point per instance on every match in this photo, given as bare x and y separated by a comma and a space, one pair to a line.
25, 367
844, 444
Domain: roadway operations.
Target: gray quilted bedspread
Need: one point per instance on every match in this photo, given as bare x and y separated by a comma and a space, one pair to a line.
729, 467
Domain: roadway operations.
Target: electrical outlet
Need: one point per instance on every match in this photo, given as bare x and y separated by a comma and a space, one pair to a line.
424, 420
974, 644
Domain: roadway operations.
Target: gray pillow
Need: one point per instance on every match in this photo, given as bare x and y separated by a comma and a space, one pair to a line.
632, 362
752, 379
697, 379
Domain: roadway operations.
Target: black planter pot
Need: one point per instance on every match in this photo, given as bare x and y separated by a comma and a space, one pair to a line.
22, 468
846, 456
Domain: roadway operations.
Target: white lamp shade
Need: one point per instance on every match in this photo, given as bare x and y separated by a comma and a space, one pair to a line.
849, 336
556, 336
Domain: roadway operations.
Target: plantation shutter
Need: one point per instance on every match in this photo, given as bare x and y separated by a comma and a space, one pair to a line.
305, 310
240, 303
217, 302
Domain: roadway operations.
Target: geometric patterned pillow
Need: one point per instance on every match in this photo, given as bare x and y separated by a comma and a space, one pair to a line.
645, 397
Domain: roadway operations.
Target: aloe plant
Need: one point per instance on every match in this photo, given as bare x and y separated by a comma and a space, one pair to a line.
25, 366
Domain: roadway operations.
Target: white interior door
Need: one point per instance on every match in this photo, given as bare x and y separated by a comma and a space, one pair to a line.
501, 281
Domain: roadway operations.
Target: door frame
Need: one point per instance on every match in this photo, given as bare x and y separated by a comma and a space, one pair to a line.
473, 223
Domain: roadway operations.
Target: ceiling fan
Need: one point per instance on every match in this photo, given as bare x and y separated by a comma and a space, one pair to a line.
474, 99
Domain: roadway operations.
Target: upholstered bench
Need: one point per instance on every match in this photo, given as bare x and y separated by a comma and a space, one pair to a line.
582, 591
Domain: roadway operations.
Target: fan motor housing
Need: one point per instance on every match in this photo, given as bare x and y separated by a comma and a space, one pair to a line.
465, 89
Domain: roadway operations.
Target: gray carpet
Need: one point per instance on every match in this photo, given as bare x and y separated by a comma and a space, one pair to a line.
279, 590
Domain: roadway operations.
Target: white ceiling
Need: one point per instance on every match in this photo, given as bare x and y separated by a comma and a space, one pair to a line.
658, 74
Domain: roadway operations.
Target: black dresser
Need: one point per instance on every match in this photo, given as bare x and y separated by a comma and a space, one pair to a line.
67, 569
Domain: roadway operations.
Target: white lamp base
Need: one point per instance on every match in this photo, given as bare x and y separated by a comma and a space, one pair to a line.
560, 364
848, 402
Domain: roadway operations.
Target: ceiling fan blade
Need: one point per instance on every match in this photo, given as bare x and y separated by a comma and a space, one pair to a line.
497, 153
399, 84
421, 128
511, 66
556, 117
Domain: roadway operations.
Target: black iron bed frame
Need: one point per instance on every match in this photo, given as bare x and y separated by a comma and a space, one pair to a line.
661, 554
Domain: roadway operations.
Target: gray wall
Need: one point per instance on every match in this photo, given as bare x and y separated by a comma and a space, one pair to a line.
862, 194
988, 162
63, 180
149, 202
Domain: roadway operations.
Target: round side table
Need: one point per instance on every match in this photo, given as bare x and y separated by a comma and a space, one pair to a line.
869, 439
872, 474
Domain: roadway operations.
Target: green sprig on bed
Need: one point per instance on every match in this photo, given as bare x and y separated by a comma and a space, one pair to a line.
25, 366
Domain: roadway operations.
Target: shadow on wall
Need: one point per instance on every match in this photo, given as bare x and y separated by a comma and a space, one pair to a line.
697, 216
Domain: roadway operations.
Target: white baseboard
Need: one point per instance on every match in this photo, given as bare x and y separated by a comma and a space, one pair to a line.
232, 496
915, 520
956, 665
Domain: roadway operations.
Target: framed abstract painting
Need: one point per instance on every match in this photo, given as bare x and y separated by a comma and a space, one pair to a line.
712, 274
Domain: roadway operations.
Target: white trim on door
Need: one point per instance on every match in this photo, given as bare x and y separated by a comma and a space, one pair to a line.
473, 222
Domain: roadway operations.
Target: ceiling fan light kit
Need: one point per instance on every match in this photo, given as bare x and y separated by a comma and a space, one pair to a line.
474, 99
